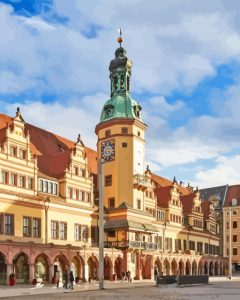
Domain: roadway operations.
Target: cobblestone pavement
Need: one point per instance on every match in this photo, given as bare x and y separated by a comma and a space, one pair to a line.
218, 289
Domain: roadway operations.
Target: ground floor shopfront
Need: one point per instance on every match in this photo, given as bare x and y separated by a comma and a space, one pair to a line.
29, 261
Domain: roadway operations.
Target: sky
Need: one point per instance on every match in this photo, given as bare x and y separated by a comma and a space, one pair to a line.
54, 58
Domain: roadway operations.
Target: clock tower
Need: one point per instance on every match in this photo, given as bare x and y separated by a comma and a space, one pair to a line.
121, 139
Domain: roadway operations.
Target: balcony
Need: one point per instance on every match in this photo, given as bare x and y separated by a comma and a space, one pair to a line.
141, 181
131, 244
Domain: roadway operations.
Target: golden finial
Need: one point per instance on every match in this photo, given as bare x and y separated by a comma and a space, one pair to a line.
120, 39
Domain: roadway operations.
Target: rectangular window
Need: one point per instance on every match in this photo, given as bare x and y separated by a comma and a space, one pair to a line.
168, 244
1, 223
4, 177
234, 224
107, 133
84, 233
9, 224
88, 197
81, 195
13, 179
206, 248
41, 185
235, 251
55, 189
108, 180
30, 183
77, 194
45, 186
77, 232
112, 234
54, 230
70, 192
26, 226
22, 181
50, 188
13, 151
111, 202
234, 238
200, 247
82, 172
22, 154
124, 130
191, 245
63, 231
124, 145
36, 228
139, 203
75, 170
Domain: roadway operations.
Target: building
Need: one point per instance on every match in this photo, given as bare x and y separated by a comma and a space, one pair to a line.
49, 199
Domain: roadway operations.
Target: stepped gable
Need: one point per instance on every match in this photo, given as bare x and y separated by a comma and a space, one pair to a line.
187, 202
233, 192
52, 150
205, 208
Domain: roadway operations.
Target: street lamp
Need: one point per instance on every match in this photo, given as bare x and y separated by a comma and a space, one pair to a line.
230, 244
101, 226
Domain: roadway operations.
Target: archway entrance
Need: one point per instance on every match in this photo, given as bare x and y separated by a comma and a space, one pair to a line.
216, 268
118, 267
200, 268
93, 267
188, 268
41, 268
3, 269
211, 268
205, 268
146, 262
174, 267
77, 267
166, 265
107, 268
181, 267
60, 265
158, 266
21, 268
194, 268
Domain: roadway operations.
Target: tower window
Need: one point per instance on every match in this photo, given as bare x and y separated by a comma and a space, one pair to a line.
124, 145
124, 130
107, 133
111, 202
139, 133
234, 224
139, 203
108, 180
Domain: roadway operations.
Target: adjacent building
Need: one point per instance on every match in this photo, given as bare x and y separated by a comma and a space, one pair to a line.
49, 201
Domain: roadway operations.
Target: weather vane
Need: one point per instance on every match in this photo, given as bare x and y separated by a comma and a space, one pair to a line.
120, 39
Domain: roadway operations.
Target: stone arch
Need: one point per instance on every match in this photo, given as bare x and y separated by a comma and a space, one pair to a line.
3, 268
188, 268
205, 267
166, 267
181, 267
93, 267
200, 268
174, 267
211, 269
41, 267
21, 267
118, 266
77, 267
194, 268
221, 268
146, 264
216, 268
107, 268
61, 265
158, 266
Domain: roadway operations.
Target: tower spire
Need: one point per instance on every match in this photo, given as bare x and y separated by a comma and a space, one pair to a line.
120, 39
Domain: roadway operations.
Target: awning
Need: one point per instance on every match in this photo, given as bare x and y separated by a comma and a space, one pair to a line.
130, 224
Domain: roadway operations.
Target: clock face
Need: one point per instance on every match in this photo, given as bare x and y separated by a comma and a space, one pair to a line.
108, 150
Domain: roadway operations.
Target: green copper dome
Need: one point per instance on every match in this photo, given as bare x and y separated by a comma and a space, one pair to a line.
120, 105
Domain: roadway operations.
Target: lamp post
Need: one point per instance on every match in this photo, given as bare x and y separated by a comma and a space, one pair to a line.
230, 244
101, 226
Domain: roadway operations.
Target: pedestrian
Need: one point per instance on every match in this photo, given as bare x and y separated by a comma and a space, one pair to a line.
129, 276
155, 274
123, 276
71, 280
65, 279
57, 278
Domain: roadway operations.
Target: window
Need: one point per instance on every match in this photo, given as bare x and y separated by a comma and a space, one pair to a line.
82, 173
168, 244
108, 180
36, 228
77, 232
227, 225
30, 183
124, 145
22, 181
9, 224
191, 245
111, 202
234, 224
139, 203
107, 133
50, 188
200, 247
41, 185
81, 195
75, 170
234, 212
54, 230
84, 233
77, 194
70, 192
235, 251
45, 186
138, 133
26, 226
234, 238
1, 223
111, 233
22, 154
63, 231
13, 179
124, 130
206, 248
88, 197
55, 189
13, 151
4, 177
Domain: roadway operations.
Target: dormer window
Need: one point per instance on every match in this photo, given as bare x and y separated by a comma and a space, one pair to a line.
22, 154
76, 170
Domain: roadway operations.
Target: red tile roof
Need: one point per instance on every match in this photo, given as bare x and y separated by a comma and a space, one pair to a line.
163, 195
187, 202
233, 192
206, 208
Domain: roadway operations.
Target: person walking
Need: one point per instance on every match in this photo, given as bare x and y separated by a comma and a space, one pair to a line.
129, 276
65, 279
71, 280
57, 278
123, 276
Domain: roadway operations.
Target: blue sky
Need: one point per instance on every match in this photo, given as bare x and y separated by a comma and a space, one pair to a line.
54, 57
